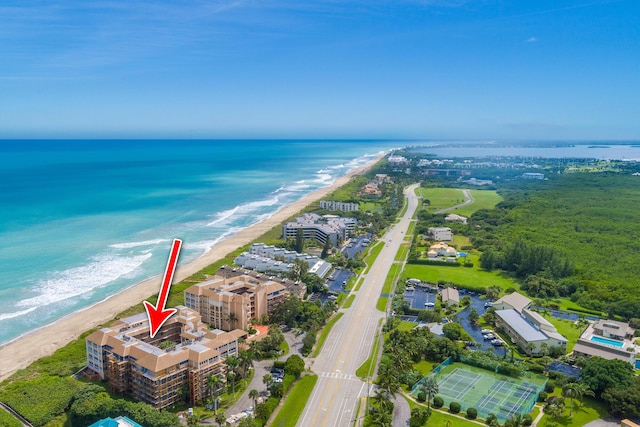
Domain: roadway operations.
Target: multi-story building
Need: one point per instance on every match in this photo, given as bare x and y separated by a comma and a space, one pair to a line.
440, 234
268, 258
332, 205
159, 370
320, 228
231, 302
529, 331
608, 339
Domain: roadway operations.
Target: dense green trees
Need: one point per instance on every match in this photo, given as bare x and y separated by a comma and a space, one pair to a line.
600, 374
575, 235
91, 403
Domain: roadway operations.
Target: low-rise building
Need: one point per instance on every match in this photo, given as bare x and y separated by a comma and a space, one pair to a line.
456, 218
268, 258
440, 250
514, 300
321, 228
231, 302
608, 339
333, 205
440, 234
529, 331
450, 297
182, 355
533, 175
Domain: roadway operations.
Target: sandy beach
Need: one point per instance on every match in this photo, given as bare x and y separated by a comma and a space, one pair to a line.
22, 352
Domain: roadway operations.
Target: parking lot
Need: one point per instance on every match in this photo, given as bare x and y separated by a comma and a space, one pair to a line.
420, 298
356, 246
337, 278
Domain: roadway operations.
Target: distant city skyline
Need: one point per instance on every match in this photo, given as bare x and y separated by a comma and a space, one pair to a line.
406, 69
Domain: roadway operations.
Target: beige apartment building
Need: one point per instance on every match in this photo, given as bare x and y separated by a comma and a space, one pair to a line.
230, 302
159, 370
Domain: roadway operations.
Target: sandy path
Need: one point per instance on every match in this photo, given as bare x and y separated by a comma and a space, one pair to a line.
22, 352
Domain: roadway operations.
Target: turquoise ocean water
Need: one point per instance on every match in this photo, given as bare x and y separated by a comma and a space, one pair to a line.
82, 220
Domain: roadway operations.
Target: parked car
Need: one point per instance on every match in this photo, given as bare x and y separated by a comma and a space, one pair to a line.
497, 342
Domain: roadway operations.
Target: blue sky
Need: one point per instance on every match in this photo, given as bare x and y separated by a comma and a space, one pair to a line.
476, 69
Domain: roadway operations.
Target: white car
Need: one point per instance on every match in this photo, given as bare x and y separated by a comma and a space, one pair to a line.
429, 304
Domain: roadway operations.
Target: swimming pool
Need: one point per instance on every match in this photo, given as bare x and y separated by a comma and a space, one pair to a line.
607, 341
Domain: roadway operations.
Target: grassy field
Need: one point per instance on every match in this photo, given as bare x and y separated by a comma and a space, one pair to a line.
591, 410
388, 282
439, 418
566, 328
284, 347
381, 305
325, 333
441, 198
365, 369
401, 255
349, 301
6, 419
295, 402
462, 276
373, 253
424, 367
482, 199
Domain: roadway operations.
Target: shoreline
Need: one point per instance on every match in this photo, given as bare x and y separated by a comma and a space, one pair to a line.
43, 341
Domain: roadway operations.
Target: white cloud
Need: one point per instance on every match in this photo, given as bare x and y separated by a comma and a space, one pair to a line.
531, 40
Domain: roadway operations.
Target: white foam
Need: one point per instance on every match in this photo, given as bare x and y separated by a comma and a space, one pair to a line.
130, 245
76, 281
224, 215
16, 314
228, 215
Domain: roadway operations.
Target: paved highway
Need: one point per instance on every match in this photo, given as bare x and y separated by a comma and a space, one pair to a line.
334, 399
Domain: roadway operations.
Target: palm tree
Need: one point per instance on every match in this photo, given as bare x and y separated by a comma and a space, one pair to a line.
253, 394
267, 380
381, 397
516, 420
232, 363
575, 390
221, 418
213, 384
246, 362
430, 388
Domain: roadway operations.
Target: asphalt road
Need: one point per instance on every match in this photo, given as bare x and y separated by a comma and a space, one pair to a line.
334, 399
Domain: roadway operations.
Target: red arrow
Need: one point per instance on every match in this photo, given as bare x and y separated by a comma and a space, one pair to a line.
158, 314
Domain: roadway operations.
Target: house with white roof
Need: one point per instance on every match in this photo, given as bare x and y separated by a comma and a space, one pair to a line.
440, 234
608, 339
529, 331
441, 250
516, 301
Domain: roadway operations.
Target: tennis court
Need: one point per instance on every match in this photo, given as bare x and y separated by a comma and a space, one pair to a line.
488, 392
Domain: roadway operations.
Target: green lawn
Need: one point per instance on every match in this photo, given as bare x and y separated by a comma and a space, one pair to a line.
424, 367
406, 326
483, 199
590, 411
373, 253
325, 333
284, 347
295, 402
349, 301
566, 328
381, 305
6, 419
441, 198
388, 282
401, 255
443, 419
462, 276
365, 369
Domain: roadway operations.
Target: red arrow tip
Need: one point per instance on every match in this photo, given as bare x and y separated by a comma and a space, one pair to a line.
157, 317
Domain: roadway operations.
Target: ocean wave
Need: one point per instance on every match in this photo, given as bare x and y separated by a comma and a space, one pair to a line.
227, 216
80, 280
130, 245
16, 314
206, 245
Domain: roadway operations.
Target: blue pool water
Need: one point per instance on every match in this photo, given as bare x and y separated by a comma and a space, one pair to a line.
607, 341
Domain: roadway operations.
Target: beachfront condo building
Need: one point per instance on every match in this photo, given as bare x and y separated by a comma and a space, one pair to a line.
321, 228
160, 370
231, 302
333, 205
